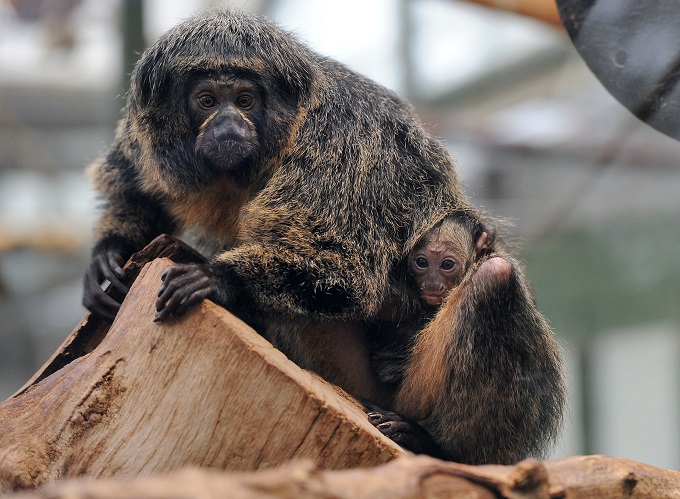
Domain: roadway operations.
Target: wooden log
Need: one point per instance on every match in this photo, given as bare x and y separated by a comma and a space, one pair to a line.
91, 330
604, 476
201, 390
403, 478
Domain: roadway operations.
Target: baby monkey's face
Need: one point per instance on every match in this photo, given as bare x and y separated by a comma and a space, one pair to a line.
437, 268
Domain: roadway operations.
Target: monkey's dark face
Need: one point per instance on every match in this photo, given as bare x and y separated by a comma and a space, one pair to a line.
436, 268
226, 113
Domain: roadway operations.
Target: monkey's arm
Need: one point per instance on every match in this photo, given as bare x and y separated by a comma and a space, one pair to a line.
485, 379
129, 220
317, 284
299, 261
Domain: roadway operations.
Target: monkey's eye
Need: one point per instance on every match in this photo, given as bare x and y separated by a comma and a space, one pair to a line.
421, 262
448, 264
207, 101
244, 101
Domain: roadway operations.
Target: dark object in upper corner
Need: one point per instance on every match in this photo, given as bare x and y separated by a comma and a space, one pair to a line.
633, 48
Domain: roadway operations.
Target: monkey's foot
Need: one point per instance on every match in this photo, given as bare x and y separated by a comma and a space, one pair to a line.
407, 433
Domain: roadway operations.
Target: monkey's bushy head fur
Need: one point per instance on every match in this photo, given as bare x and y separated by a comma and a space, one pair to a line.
221, 41
156, 130
351, 118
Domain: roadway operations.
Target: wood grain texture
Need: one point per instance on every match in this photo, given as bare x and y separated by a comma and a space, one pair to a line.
407, 477
91, 330
203, 390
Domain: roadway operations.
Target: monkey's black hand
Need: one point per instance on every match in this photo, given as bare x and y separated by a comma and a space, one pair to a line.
409, 434
183, 286
105, 266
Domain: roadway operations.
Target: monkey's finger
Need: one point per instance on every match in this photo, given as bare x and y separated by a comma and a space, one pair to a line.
176, 276
387, 415
193, 299
376, 418
108, 273
178, 269
171, 272
174, 306
116, 263
94, 289
392, 427
173, 278
402, 435
174, 284
192, 292
108, 307
179, 296
97, 301
161, 315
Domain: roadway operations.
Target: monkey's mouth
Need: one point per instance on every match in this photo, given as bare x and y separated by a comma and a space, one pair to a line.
433, 297
225, 154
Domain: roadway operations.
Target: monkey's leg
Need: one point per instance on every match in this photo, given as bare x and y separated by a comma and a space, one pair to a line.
338, 352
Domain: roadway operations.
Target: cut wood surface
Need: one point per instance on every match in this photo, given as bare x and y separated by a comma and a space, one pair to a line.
411, 476
202, 390
91, 330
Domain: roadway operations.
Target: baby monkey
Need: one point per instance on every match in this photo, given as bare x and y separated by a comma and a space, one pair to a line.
434, 268
441, 258
368, 359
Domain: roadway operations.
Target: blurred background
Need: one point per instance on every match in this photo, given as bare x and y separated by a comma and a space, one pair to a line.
593, 194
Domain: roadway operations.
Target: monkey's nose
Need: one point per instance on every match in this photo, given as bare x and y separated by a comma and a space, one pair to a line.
230, 133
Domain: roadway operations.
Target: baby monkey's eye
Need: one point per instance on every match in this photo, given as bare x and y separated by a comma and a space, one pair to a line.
422, 263
448, 264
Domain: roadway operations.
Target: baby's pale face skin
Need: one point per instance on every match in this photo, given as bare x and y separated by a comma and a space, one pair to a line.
437, 269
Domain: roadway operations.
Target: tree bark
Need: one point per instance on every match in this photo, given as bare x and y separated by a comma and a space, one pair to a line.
404, 478
201, 390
